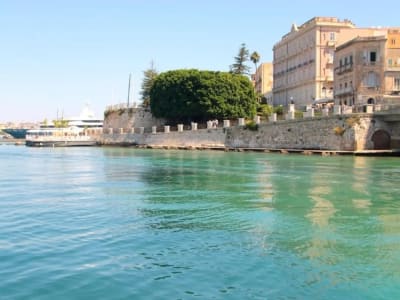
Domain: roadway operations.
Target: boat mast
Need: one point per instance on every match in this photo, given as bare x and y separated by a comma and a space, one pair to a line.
129, 88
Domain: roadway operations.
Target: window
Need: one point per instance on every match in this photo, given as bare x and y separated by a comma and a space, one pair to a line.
393, 42
396, 85
332, 36
371, 80
351, 59
345, 61
390, 62
372, 56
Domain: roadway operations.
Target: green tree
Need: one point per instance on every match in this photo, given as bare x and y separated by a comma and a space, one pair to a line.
240, 67
255, 58
148, 78
193, 95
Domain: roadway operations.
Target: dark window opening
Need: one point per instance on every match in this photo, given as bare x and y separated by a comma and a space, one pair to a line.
372, 56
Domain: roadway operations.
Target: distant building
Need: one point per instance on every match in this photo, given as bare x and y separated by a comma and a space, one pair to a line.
367, 70
303, 59
262, 81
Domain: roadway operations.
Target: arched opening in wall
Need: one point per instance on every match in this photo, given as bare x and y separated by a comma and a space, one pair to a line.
381, 140
371, 101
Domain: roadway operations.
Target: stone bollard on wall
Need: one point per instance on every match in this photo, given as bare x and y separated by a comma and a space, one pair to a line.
121, 131
369, 108
290, 115
227, 124
180, 127
133, 130
257, 119
241, 122
274, 117
291, 108
166, 129
110, 131
325, 112
141, 130
154, 129
309, 113
194, 126
337, 110
209, 124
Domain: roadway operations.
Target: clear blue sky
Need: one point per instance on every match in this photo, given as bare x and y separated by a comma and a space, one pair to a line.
59, 55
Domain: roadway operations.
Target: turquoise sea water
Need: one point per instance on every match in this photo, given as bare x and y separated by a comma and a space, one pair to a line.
121, 223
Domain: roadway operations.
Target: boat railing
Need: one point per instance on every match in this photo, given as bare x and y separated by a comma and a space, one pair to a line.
34, 137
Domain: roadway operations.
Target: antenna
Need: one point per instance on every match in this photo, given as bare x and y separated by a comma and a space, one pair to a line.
129, 88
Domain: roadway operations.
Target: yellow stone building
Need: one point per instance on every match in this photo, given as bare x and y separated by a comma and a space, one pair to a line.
262, 81
303, 60
367, 70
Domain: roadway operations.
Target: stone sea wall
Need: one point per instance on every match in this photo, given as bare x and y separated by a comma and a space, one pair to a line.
335, 133
130, 118
204, 138
341, 133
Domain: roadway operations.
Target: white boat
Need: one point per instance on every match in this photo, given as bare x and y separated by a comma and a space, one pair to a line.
60, 137
85, 120
76, 131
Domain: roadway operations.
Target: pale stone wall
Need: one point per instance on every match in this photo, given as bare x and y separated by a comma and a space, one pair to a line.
134, 117
199, 138
296, 134
341, 133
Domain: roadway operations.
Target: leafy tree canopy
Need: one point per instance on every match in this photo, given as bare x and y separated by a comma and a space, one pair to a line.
148, 78
240, 67
255, 58
193, 95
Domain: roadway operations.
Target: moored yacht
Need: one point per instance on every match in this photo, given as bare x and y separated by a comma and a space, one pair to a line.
76, 131
86, 119
60, 137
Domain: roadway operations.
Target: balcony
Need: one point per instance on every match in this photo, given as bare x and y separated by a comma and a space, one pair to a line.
394, 68
344, 69
344, 91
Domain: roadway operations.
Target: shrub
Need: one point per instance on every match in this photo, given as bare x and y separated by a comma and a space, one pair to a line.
251, 125
339, 130
353, 121
278, 110
265, 110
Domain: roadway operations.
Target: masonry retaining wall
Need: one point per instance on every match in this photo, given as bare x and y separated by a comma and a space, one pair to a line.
338, 133
132, 117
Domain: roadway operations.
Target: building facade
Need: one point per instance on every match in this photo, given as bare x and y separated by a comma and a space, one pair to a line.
367, 70
303, 60
262, 80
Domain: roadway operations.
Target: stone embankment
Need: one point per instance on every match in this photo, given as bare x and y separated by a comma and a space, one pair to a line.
325, 134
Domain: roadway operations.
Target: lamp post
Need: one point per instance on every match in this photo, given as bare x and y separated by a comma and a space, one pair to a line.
324, 92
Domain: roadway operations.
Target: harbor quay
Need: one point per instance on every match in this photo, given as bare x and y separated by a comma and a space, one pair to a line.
370, 133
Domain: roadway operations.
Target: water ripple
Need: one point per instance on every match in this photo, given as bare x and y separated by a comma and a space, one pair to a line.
120, 223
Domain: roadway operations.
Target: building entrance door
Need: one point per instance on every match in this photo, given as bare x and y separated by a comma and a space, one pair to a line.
381, 140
